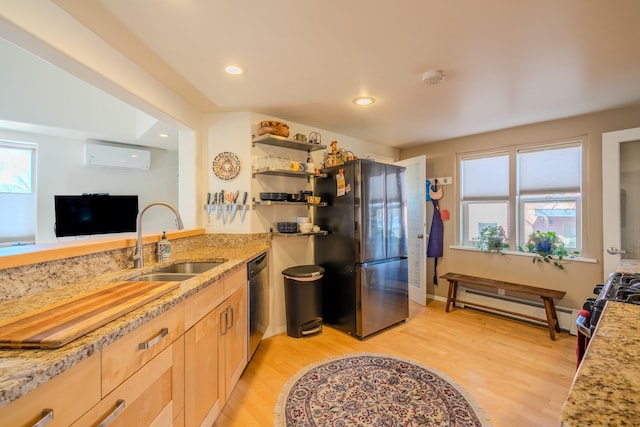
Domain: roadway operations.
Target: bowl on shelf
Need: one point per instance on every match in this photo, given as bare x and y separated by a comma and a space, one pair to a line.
287, 227
278, 197
292, 197
303, 220
305, 227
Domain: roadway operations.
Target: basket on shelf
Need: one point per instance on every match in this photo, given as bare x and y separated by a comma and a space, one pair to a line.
274, 128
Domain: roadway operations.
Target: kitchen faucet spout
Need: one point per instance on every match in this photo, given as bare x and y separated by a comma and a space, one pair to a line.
138, 257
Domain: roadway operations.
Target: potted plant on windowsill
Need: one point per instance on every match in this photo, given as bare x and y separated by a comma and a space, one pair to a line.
548, 247
492, 239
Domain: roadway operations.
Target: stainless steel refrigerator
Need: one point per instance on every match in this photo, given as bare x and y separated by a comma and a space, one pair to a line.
364, 254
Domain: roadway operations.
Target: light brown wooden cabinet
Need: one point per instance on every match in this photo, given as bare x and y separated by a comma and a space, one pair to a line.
157, 375
60, 401
234, 344
143, 376
153, 396
127, 355
202, 341
216, 349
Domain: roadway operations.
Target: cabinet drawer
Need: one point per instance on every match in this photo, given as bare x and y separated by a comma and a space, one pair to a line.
69, 395
153, 396
234, 281
124, 357
202, 303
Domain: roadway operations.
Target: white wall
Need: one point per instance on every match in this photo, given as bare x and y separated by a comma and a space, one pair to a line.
226, 132
54, 35
188, 183
61, 170
233, 132
50, 33
46, 95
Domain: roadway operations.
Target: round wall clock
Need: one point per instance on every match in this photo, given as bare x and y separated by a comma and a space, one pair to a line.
226, 165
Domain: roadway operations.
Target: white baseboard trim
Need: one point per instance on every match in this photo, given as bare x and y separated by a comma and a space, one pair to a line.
274, 331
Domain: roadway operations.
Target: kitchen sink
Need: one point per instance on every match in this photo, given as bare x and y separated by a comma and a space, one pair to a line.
178, 272
163, 277
190, 267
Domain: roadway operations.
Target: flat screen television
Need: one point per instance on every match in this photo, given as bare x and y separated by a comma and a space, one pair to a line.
95, 214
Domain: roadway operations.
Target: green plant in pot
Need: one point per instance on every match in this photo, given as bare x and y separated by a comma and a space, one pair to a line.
549, 248
492, 239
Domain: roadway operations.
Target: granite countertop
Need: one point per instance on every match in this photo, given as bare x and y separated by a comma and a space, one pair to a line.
629, 266
23, 370
606, 388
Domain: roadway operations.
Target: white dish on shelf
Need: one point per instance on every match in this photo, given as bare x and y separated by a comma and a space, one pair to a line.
305, 227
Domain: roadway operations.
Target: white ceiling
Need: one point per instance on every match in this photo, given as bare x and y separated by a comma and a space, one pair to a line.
508, 63
42, 98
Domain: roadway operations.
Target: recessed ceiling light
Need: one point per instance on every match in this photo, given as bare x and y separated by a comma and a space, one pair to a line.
364, 100
163, 135
234, 69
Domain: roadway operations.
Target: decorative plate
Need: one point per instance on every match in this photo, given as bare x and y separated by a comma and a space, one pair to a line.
226, 165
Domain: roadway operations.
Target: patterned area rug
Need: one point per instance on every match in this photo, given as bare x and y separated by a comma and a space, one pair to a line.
374, 390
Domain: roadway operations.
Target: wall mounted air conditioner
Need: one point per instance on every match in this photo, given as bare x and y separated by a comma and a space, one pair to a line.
116, 157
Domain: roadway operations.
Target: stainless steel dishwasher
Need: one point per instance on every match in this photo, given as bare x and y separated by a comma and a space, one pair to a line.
258, 299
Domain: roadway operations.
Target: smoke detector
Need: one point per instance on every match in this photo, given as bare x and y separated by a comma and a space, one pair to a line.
433, 77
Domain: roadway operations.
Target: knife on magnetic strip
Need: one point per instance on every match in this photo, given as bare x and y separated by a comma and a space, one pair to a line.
244, 206
222, 206
234, 205
216, 208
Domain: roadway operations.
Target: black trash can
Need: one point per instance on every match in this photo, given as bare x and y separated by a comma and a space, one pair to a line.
303, 299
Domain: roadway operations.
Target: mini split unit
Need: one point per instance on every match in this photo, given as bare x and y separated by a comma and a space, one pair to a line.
112, 156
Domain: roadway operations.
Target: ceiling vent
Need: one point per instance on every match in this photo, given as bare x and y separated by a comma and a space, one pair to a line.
112, 156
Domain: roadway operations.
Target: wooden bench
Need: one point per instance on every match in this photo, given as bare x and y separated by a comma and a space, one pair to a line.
547, 296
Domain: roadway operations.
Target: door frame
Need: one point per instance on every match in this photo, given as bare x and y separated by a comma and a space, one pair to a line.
611, 236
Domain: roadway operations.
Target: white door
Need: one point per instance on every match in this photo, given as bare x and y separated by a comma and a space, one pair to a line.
620, 197
416, 177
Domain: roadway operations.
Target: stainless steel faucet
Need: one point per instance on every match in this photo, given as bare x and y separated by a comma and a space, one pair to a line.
138, 257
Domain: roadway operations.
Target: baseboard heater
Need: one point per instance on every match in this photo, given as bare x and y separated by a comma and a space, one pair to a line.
566, 316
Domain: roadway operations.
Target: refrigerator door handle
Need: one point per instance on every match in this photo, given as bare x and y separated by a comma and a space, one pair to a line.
382, 261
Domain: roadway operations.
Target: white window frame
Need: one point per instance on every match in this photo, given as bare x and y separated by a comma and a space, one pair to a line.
21, 219
522, 238
515, 202
23, 147
465, 209
466, 202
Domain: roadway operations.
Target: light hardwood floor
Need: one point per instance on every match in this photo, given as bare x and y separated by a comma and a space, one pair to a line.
512, 369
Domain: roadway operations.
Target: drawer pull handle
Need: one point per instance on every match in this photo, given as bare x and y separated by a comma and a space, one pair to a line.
230, 309
223, 322
146, 345
47, 417
112, 416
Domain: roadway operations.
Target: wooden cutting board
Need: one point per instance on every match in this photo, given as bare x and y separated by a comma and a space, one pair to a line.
58, 324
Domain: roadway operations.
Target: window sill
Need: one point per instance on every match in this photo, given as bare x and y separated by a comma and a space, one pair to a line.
525, 254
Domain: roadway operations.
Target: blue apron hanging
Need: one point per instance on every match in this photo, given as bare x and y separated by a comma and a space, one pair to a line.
434, 248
